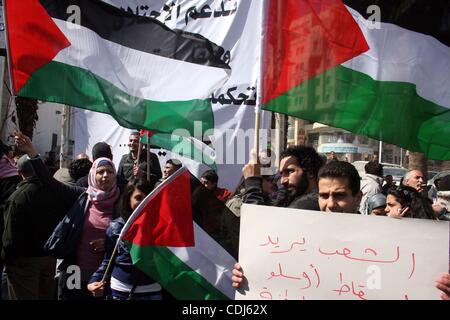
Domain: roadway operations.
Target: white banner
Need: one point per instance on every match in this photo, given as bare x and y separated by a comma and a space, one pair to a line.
296, 254
235, 25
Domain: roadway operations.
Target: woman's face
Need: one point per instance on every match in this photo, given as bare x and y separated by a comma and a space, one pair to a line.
105, 177
393, 207
136, 198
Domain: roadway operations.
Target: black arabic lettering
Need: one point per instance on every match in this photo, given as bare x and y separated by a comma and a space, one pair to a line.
222, 13
168, 9
205, 12
242, 98
191, 13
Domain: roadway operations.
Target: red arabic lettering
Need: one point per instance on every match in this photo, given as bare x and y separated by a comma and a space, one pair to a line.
346, 252
346, 289
305, 275
269, 242
280, 274
413, 265
265, 294
370, 249
317, 274
291, 247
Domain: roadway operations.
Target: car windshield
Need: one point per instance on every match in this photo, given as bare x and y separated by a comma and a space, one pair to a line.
431, 174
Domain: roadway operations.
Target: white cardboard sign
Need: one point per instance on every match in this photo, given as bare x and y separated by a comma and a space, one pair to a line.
297, 254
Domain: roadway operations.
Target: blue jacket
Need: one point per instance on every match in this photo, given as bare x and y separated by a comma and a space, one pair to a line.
123, 269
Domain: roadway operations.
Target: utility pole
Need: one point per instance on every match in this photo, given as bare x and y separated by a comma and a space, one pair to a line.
65, 126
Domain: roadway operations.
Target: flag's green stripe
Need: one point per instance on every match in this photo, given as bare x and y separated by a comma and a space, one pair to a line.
61, 83
173, 274
181, 146
352, 100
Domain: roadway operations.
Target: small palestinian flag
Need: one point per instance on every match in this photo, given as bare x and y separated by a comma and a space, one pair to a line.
182, 236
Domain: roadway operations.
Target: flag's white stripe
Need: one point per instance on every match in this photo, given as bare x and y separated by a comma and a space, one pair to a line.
208, 259
138, 73
398, 54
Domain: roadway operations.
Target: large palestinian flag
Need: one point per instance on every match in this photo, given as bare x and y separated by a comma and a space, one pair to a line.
185, 238
327, 61
89, 54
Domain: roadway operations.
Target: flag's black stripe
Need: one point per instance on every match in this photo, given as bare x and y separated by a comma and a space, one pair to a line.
431, 17
215, 218
136, 32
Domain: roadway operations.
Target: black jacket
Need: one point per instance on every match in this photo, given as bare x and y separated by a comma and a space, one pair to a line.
125, 171
7, 187
31, 214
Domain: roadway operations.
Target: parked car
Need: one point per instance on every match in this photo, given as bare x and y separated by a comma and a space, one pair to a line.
437, 176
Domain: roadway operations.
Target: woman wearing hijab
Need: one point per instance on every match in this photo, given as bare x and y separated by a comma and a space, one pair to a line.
96, 204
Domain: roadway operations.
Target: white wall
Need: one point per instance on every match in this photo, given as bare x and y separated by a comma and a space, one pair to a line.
49, 122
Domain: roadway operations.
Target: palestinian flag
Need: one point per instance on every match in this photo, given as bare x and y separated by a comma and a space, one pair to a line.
89, 54
184, 238
327, 61
188, 147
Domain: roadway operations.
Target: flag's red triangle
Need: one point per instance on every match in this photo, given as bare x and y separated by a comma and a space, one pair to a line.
33, 39
149, 134
304, 39
166, 220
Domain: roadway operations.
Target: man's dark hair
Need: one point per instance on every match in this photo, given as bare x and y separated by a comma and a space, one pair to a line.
211, 176
374, 167
342, 169
100, 150
176, 163
79, 168
307, 158
135, 133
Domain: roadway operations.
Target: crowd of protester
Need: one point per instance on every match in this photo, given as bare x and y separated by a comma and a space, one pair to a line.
33, 201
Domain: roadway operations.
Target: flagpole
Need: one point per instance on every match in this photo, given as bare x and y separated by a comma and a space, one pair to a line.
8, 57
139, 151
259, 90
149, 161
111, 259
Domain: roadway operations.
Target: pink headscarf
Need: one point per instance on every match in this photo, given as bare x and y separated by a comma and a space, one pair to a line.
7, 168
93, 191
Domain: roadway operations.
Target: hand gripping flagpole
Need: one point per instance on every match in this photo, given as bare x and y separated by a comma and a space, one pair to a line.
259, 85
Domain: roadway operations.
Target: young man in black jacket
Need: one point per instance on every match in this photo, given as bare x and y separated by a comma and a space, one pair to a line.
31, 214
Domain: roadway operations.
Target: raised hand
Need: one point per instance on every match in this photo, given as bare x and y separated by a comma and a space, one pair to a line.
24, 144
